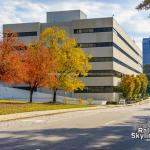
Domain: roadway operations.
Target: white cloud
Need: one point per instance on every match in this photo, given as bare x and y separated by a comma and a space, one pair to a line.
134, 22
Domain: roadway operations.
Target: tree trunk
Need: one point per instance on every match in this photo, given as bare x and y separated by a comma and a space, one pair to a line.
31, 94
54, 96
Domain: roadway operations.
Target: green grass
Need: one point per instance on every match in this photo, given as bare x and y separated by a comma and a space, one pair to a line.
11, 106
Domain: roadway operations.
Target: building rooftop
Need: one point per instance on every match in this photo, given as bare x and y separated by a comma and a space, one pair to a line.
64, 16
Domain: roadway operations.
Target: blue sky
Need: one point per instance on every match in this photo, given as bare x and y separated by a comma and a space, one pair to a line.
136, 24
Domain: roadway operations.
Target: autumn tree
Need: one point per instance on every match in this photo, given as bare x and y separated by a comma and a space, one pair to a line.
39, 66
137, 87
144, 84
10, 63
127, 86
133, 87
72, 60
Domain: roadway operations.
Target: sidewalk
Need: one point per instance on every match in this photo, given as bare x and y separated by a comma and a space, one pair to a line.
24, 115
43, 113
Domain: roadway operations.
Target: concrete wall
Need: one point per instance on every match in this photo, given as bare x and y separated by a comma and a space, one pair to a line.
94, 37
98, 81
126, 36
18, 94
64, 16
99, 96
24, 27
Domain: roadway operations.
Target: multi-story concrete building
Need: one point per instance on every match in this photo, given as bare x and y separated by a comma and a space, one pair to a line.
146, 59
146, 51
113, 51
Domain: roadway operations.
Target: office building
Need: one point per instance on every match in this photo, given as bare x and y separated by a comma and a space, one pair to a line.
146, 59
114, 52
146, 51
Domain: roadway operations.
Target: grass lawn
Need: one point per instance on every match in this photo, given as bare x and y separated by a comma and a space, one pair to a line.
11, 106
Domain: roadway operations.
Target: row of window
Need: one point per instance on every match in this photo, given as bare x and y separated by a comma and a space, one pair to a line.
98, 89
106, 44
121, 50
104, 73
125, 65
91, 30
104, 29
22, 34
101, 59
104, 59
119, 35
98, 44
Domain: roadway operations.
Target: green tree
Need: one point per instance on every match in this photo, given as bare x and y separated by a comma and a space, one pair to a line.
72, 60
144, 5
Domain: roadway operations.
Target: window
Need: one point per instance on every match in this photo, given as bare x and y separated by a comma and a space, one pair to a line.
104, 29
98, 89
101, 44
125, 65
22, 34
101, 59
106, 44
92, 30
104, 73
123, 51
121, 37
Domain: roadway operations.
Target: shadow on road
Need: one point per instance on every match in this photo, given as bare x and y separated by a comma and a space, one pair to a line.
117, 137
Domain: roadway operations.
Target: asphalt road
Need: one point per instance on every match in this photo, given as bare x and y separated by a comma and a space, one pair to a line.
101, 129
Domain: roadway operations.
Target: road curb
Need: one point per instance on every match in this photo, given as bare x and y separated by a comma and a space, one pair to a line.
11, 117
25, 115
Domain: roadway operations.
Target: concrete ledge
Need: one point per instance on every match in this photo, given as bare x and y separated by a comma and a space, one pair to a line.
140, 103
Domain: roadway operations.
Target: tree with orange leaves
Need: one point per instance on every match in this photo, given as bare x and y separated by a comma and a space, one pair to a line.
39, 67
10, 63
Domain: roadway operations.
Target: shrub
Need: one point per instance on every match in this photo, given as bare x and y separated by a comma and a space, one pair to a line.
133, 87
111, 103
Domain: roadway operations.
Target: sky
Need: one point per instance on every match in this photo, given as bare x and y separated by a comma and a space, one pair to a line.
135, 23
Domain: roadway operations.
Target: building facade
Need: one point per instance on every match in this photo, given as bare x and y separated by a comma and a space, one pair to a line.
146, 51
113, 51
146, 59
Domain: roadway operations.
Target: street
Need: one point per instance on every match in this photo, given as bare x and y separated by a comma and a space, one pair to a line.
99, 129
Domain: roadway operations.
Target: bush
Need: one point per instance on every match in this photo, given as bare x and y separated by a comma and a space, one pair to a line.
111, 103
146, 97
133, 101
133, 87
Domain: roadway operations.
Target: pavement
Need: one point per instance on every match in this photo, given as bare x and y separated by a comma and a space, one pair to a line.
44, 113
59, 111
95, 129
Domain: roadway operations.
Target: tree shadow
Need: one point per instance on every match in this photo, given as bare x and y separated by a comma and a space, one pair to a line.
145, 109
116, 137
